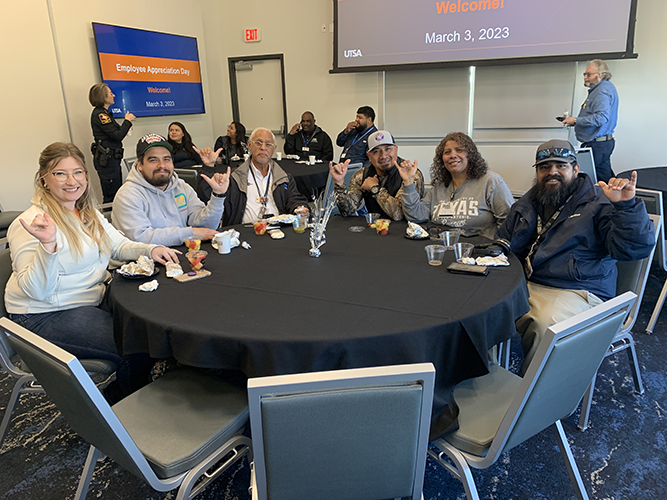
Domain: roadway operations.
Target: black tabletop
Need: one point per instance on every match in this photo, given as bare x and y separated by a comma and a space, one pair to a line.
310, 179
368, 300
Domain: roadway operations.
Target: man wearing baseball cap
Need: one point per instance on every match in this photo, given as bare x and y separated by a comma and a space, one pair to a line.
155, 206
569, 233
378, 184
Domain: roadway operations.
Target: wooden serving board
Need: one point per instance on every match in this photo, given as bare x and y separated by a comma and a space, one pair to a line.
182, 278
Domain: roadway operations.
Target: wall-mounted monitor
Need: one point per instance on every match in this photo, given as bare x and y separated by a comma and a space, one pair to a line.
376, 35
151, 73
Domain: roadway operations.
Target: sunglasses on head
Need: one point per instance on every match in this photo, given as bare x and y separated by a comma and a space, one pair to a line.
543, 154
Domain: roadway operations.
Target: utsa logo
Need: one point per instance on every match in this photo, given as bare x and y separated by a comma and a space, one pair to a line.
353, 53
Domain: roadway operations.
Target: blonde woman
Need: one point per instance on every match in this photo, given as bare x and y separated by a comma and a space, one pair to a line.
60, 250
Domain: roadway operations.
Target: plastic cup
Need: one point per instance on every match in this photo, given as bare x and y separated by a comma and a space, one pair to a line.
192, 244
300, 223
260, 227
224, 243
371, 219
449, 238
279, 155
435, 254
463, 251
382, 226
196, 259
311, 159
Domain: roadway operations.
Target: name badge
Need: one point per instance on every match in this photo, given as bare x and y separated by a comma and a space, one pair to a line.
446, 210
305, 148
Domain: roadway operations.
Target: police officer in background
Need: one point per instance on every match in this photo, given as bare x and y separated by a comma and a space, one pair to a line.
108, 146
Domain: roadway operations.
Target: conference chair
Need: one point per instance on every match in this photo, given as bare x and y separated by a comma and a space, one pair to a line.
170, 433
189, 175
632, 277
587, 163
501, 410
6, 218
357, 434
351, 169
128, 163
25, 381
654, 205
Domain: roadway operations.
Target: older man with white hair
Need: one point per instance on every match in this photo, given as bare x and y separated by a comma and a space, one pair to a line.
259, 187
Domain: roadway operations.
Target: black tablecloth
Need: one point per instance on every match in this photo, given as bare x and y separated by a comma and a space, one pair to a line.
369, 300
310, 179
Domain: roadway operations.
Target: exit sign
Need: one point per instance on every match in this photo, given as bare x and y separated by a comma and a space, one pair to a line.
253, 35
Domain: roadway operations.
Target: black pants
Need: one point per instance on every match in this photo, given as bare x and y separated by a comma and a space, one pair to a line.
602, 157
111, 178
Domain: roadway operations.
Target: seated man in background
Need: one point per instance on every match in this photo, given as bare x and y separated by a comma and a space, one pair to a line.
354, 139
307, 139
259, 188
378, 184
155, 206
570, 233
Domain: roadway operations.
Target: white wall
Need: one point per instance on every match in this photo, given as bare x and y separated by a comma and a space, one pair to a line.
37, 107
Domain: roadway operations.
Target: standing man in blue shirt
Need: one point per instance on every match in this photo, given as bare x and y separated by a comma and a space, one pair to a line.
598, 116
354, 139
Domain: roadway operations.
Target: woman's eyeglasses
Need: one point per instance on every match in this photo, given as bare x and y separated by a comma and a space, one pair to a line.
61, 176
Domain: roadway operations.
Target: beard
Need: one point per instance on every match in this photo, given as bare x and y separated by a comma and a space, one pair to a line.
360, 128
555, 197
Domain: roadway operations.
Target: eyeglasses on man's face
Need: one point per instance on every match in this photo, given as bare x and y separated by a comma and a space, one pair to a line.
261, 144
587, 74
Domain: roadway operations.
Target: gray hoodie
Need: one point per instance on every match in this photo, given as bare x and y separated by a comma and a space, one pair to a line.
148, 214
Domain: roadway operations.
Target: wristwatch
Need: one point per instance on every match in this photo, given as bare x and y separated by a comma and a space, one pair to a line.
218, 195
375, 190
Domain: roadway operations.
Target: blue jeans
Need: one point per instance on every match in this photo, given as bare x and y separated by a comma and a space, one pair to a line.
602, 158
87, 333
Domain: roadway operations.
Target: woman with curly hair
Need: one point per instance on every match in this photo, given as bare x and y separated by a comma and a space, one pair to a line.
465, 194
184, 153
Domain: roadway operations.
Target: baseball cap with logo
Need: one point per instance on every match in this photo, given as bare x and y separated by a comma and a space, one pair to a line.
555, 150
151, 140
379, 138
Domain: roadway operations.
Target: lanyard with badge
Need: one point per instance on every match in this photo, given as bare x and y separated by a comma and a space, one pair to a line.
305, 143
541, 234
264, 200
357, 139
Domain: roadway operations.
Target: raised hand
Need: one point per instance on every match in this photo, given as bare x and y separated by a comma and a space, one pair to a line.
338, 171
295, 129
207, 155
407, 171
42, 227
220, 182
620, 189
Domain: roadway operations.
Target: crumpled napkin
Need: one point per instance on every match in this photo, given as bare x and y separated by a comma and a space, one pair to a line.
149, 286
489, 261
415, 231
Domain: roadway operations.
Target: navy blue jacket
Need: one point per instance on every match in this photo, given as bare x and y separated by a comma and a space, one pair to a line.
356, 152
580, 250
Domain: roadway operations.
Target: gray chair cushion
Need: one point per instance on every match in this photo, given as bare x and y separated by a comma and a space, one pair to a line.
483, 403
353, 443
182, 417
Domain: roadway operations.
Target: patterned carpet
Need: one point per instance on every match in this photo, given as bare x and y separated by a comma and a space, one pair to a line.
623, 454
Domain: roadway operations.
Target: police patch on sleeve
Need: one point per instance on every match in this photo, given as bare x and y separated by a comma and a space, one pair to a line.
104, 118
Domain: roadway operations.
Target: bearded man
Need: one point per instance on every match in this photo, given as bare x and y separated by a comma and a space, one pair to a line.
569, 233
354, 137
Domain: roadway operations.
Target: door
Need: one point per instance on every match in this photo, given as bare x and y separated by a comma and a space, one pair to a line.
258, 93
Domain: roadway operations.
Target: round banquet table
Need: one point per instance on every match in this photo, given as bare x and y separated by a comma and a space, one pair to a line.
368, 300
310, 179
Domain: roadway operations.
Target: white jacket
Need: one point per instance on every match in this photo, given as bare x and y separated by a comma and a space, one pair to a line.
46, 282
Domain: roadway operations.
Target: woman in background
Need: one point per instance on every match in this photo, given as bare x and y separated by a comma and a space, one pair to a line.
184, 154
466, 195
233, 144
60, 250
108, 135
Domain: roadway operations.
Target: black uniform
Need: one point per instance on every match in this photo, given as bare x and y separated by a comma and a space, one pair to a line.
317, 144
108, 150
